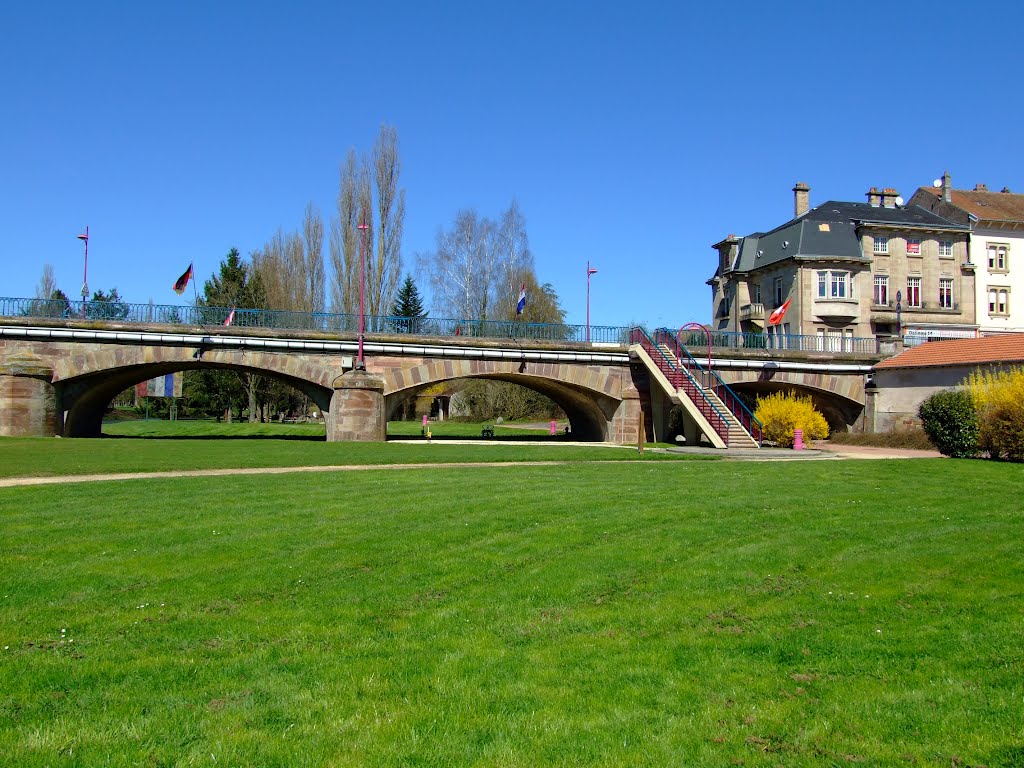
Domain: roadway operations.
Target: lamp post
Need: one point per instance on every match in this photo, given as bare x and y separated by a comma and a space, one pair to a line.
85, 270
590, 271
360, 362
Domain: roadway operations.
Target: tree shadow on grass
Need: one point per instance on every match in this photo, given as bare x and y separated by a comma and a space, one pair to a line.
290, 438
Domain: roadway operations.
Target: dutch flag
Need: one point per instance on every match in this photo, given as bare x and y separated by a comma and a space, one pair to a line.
522, 300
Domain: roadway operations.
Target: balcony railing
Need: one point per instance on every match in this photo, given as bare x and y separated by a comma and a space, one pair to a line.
754, 311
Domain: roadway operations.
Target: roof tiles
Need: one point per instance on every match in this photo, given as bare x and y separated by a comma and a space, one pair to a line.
957, 352
986, 205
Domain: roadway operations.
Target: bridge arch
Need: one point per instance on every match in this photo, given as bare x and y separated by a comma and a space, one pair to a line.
590, 398
86, 386
839, 398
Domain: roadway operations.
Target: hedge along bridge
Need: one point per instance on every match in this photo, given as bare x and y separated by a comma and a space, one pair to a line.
61, 364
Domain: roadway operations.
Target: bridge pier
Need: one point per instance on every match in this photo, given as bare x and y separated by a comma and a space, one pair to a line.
357, 408
28, 401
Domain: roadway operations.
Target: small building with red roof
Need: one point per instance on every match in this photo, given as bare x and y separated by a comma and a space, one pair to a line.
900, 384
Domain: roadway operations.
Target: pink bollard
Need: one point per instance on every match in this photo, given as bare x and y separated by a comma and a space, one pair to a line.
554, 427
798, 439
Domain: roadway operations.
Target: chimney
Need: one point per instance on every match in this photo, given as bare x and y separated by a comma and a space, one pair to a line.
801, 199
874, 197
947, 187
981, 188
889, 196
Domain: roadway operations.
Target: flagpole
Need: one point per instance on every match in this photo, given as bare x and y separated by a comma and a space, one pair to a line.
590, 272
360, 362
85, 269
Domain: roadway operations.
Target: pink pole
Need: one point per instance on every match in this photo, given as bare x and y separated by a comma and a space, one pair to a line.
360, 362
694, 327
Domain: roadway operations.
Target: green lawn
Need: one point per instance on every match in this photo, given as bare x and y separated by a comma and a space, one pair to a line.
47, 456
663, 613
440, 430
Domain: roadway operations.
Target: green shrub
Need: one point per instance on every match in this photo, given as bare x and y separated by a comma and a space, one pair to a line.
782, 413
950, 420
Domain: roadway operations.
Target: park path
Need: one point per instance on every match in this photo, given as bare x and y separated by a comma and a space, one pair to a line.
829, 452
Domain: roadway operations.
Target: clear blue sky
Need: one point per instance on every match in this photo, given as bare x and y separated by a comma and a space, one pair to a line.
634, 135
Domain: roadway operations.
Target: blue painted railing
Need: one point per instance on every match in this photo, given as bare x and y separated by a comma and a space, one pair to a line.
329, 322
729, 340
324, 322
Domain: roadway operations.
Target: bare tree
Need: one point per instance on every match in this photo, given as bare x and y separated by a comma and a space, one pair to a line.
313, 235
461, 270
369, 197
344, 241
515, 261
387, 167
47, 283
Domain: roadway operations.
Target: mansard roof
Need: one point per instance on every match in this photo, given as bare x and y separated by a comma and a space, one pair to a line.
830, 231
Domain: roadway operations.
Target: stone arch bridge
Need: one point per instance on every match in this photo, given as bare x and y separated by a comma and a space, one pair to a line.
59, 379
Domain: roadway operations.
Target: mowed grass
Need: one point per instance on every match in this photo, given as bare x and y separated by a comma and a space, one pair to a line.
48, 456
697, 614
439, 430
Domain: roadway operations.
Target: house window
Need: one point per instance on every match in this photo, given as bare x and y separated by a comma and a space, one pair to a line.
913, 246
999, 301
997, 256
881, 290
913, 291
881, 245
777, 290
834, 285
945, 247
946, 292
756, 298
840, 280
726, 301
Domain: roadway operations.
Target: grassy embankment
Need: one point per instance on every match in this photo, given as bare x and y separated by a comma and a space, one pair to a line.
666, 613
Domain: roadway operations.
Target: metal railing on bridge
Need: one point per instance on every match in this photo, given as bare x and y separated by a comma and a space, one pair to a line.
722, 340
322, 322
330, 322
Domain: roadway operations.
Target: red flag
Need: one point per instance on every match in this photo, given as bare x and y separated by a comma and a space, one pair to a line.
776, 317
182, 282
231, 317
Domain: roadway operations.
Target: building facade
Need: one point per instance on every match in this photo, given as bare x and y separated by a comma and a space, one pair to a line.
996, 220
849, 270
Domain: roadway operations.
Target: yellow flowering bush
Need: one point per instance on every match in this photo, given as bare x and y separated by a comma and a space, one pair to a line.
999, 400
783, 412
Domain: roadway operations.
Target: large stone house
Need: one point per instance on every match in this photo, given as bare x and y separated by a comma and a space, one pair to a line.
996, 220
851, 270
